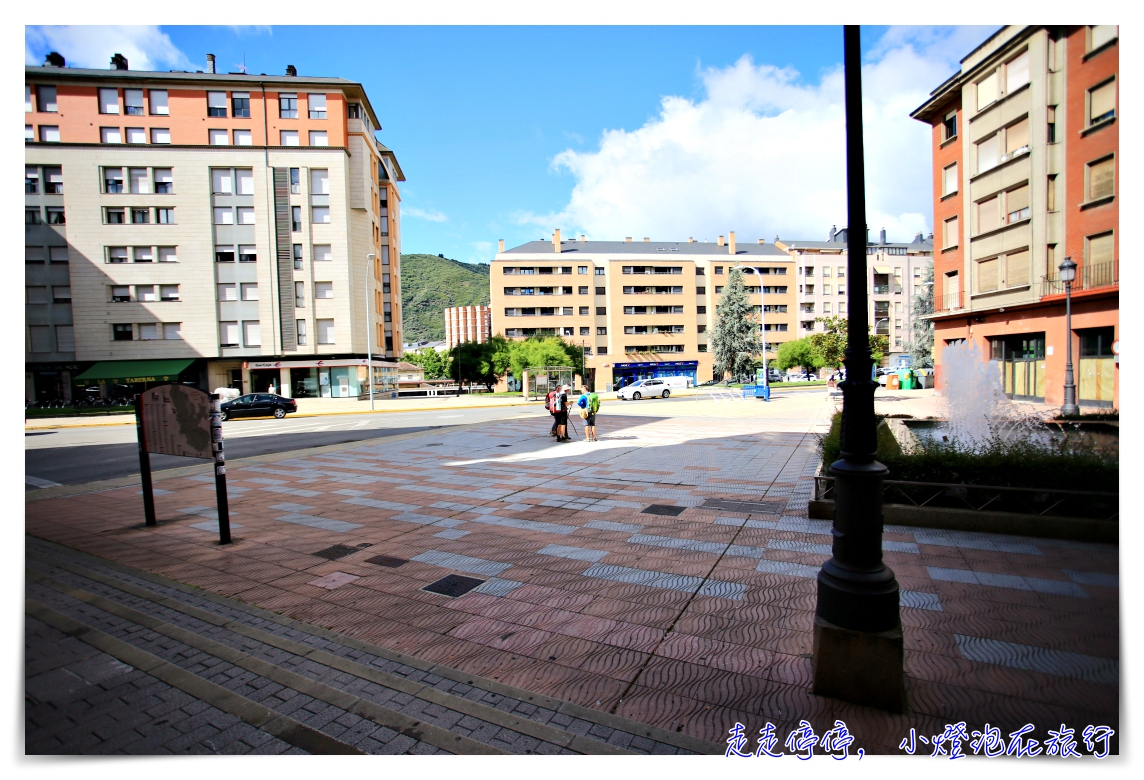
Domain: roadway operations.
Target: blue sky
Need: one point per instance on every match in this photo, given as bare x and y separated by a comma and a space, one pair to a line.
666, 132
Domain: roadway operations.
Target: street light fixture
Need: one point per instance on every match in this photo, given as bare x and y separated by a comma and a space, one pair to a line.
763, 326
1068, 275
369, 328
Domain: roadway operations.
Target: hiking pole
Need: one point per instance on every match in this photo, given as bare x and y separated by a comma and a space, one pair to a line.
573, 426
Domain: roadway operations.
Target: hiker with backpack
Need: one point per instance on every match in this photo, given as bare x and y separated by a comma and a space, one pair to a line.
560, 411
589, 404
549, 406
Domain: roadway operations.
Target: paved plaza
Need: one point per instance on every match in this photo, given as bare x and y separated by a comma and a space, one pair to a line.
662, 577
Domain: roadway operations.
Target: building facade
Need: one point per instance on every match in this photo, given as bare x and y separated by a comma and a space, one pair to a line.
894, 274
1026, 161
467, 323
638, 309
211, 228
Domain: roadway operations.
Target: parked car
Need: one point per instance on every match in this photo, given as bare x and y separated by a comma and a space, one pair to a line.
259, 405
651, 388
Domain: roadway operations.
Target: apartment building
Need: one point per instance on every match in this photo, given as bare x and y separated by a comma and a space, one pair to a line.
467, 323
208, 228
1025, 156
639, 309
894, 274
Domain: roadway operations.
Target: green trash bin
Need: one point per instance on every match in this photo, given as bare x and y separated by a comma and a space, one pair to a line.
907, 379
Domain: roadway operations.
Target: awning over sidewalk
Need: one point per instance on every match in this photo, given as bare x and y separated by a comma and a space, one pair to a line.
135, 370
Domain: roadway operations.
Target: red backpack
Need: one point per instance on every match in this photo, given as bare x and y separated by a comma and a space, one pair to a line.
549, 401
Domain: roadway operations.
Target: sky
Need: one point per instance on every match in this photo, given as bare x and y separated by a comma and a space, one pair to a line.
607, 131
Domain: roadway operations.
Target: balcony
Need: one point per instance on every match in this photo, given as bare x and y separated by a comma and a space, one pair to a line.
882, 289
949, 302
1088, 277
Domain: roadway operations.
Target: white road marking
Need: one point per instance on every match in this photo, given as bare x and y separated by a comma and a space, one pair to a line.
40, 483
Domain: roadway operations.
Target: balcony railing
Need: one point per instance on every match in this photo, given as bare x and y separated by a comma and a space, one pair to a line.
1089, 277
881, 289
950, 301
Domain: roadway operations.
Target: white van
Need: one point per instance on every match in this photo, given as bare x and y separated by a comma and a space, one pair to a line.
652, 388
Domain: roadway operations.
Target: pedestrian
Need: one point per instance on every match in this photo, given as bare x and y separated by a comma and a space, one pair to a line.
550, 407
561, 406
582, 405
589, 404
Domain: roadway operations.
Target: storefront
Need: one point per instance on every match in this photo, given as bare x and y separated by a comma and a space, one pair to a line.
321, 378
624, 374
124, 379
50, 382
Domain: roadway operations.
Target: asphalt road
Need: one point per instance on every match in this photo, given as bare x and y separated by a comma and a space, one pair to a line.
70, 456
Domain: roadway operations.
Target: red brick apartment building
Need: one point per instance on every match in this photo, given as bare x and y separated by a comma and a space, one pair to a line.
1025, 169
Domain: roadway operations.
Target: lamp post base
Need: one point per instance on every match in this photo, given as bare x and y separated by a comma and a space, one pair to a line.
861, 667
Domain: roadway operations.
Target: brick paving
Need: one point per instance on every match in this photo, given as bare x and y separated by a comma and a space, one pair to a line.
690, 619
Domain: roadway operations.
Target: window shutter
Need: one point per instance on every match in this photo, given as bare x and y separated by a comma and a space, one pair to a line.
987, 275
1100, 249
1100, 179
229, 332
216, 100
317, 102
1102, 34
319, 182
159, 102
252, 333
988, 216
322, 253
1017, 269
221, 181
167, 254
133, 98
173, 330
109, 101
1017, 72
65, 338
243, 138
319, 138
1017, 136
989, 152
949, 179
41, 338
160, 135
1018, 199
987, 90
244, 182
949, 237
1102, 101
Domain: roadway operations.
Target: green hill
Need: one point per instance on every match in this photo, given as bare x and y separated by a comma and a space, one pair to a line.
429, 285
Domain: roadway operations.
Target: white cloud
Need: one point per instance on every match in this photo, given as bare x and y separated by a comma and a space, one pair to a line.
763, 153
431, 215
146, 47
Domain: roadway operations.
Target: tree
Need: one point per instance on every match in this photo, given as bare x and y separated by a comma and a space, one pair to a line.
436, 364
735, 340
921, 327
544, 351
476, 361
799, 354
831, 342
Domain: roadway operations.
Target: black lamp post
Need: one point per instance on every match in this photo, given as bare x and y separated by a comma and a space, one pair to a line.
1068, 274
858, 650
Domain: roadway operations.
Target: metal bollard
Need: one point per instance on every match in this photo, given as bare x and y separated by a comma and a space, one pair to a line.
219, 469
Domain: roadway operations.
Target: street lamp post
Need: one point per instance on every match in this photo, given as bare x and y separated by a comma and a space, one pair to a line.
763, 326
369, 328
858, 649
1068, 274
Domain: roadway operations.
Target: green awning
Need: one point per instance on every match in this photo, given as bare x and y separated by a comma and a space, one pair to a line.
136, 370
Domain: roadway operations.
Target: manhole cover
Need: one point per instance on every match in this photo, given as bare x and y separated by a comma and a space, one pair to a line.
335, 552
385, 560
453, 586
744, 507
664, 509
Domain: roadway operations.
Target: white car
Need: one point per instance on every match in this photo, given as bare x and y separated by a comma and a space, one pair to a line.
651, 388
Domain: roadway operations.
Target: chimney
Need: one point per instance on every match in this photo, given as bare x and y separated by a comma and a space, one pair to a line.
918, 238
118, 62
690, 240
883, 235
291, 70
500, 247
646, 239
720, 240
55, 59
731, 243
762, 241
556, 241
210, 63
628, 240
833, 232
582, 238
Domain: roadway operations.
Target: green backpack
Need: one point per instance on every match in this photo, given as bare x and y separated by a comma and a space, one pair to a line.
593, 403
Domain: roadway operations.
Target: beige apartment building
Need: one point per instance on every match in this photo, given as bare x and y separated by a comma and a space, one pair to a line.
638, 309
467, 323
207, 228
894, 274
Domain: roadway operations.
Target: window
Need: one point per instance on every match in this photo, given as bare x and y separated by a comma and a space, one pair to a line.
136, 135
228, 334
50, 134
1017, 72
245, 215
988, 215
324, 290
325, 331
1102, 103
323, 253
700, 309
300, 330
295, 218
148, 331
122, 332
173, 330
137, 178
140, 216
601, 310
288, 107
228, 292
718, 289
159, 102
36, 294
56, 215
58, 254
240, 103
989, 152
31, 180
295, 181
1101, 179
949, 179
247, 253
109, 135
719, 270
244, 181
142, 254
584, 311
115, 216
224, 254
165, 216
297, 257
218, 138
317, 105
160, 135
109, 101
319, 181
288, 137
145, 293
842, 307
117, 254
55, 181
249, 291
252, 333
321, 215
600, 271
1017, 268
299, 294
41, 338
120, 294
168, 292
1098, 35
1017, 204
1051, 116
582, 269
353, 111
65, 338
29, 133
133, 102
243, 138
987, 275
582, 290
949, 234
27, 98
164, 183
601, 331
167, 254
1017, 137
113, 180
987, 90
319, 138
222, 182
1099, 249
949, 126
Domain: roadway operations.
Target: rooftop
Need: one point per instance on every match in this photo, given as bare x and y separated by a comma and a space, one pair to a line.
742, 248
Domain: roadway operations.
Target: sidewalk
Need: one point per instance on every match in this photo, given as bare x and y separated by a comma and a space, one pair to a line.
664, 575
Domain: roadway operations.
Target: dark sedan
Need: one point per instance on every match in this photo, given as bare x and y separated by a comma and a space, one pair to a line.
259, 405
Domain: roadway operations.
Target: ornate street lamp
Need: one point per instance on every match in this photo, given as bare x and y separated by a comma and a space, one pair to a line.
1068, 274
858, 650
369, 328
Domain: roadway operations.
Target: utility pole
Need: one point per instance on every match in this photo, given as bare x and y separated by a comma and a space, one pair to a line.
369, 328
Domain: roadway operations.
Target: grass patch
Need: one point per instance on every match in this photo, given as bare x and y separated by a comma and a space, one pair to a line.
1001, 463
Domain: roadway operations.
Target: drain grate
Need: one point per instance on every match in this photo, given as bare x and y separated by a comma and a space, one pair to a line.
664, 509
745, 507
453, 586
385, 560
335, 552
